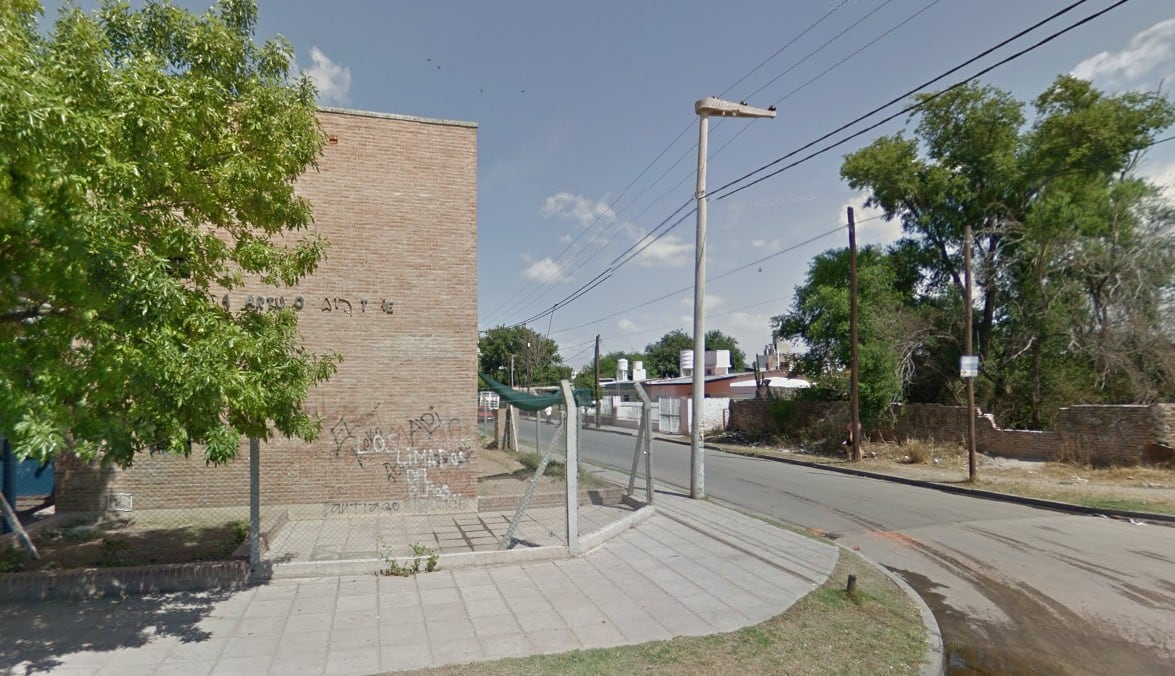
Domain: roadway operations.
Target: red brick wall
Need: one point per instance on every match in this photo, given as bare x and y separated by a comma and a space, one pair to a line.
397, 199
1102, 435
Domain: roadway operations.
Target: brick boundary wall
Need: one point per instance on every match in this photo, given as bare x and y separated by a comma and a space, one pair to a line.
396, 296
1097, 434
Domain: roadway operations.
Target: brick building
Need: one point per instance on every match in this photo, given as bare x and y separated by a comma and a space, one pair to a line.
396, 296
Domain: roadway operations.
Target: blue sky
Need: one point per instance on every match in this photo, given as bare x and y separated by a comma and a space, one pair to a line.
587, 135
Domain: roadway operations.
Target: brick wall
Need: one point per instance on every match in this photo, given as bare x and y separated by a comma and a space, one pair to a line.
1102, 435
397, 298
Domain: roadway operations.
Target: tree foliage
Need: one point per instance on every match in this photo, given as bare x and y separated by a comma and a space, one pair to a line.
1073, 253
148, 162
662, 357
587, 375
534, 358
889, 326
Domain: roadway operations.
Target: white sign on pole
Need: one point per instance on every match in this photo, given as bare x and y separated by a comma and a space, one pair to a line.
968, 366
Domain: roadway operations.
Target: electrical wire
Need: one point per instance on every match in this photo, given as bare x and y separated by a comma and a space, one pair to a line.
929, 82
520, 297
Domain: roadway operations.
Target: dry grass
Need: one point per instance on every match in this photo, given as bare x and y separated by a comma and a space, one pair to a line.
1136, 489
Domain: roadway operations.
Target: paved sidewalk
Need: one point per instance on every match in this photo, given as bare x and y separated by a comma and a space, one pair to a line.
692, 568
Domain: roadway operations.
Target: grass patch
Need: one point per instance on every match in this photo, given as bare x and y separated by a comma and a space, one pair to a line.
1126, 505
878, 630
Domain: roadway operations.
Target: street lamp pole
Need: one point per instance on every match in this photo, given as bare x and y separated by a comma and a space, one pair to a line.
705, 108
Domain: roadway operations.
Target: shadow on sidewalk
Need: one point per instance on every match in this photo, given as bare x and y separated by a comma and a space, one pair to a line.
35, 634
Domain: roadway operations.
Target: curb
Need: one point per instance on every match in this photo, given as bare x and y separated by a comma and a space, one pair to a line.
935, 662
1157, 519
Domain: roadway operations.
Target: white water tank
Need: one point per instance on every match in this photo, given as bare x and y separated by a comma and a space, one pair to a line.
685, 362
622, 369
638, 370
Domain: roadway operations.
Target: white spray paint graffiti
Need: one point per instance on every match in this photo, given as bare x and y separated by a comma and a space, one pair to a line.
427, 442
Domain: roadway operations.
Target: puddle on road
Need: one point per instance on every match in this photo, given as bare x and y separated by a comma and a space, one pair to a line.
1042, 638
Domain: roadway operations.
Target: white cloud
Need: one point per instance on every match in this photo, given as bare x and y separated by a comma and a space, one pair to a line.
765, 244
332, 80
545, 271
669, 250
1149, 50
876, 231
1163, 176
577, 208
627, 326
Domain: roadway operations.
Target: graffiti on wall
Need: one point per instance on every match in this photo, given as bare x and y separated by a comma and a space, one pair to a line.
335, 304
405, 453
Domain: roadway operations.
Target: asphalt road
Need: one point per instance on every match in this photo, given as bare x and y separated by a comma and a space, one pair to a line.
1015, 589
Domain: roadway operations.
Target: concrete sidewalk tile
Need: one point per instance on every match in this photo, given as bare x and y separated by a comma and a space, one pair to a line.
495, 625
403, 633
366, 585
127, 671
308, 622
269, 608
315, 642
598, 635
472, 577
244, 666
438, 579
582, 615
317, 588
528, 603
436, 597
354, 637
406, 615
260, 626
506, 645
189, 668
405, 657
251, 646
539, 620
357, 603
457, 651
394, 584
354, 661
476, 592
724, 619
445, 611
641, 630
296, 665
445, 630
208, 649
486, 607
390, 600
558, 640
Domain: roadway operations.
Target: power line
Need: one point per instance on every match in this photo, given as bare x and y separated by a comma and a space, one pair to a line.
920, 87
521, 297
675, 292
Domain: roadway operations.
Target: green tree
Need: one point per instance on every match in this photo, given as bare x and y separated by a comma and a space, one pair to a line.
1038, 197
662, 357
890, 334
587, 375
531, 356
148, 162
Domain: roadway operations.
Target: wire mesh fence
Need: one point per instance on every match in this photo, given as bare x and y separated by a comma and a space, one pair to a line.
439, 495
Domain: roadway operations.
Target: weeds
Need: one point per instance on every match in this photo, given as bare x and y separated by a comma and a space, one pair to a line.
12, 560
421, 556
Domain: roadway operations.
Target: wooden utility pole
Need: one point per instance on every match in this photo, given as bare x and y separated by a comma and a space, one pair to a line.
855, 365
597, 390
967, 349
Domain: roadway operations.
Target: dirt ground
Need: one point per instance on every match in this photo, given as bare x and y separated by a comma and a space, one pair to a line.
1143, 489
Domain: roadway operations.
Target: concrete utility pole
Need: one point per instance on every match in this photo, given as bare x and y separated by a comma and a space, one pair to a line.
705, 108
597, 391
855, 358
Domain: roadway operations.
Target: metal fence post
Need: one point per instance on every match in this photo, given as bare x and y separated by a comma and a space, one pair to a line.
254, 502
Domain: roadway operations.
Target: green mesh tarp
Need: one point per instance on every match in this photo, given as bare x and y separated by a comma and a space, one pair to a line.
535, 402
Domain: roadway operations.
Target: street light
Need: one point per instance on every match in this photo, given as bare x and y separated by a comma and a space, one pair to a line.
705, 108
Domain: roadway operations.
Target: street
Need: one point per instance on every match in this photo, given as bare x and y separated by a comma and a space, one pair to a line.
1015, 589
